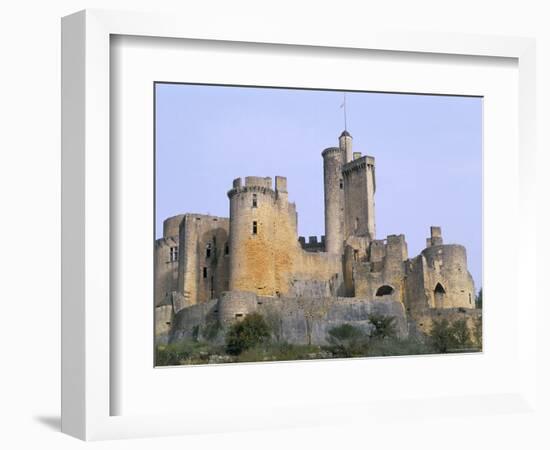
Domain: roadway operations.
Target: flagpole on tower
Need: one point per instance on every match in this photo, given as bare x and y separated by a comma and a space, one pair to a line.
345, 114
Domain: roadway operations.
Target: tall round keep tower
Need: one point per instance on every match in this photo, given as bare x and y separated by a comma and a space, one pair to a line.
251, 249
333, 159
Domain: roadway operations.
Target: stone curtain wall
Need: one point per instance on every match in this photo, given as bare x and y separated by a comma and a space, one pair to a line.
304, 320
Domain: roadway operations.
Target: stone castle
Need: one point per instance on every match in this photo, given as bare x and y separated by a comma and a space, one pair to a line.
219, 268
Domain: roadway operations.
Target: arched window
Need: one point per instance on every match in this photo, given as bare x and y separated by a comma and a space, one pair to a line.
384, 290
439, 296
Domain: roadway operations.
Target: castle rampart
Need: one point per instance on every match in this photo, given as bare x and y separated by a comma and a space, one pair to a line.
304, 320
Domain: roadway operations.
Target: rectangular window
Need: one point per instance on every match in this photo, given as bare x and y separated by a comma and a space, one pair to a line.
227, 249
208, 250
174, 254
204, 272
254, 201
341, 184
254, 227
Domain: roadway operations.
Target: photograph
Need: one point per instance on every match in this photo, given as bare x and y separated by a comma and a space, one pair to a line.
312, 224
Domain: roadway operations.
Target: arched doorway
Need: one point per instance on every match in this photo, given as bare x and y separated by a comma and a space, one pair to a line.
384, 290
439, 296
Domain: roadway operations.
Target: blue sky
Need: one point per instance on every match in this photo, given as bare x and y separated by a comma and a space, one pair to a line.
428, 152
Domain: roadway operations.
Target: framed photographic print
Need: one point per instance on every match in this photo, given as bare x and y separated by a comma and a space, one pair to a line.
258, 221
236, 278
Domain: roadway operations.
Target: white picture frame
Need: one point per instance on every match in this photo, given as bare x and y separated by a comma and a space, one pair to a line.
87, 357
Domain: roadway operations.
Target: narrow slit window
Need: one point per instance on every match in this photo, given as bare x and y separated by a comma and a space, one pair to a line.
341, 184
208, 250
174, 254
254, 200
254, 227
227, 249
205, 272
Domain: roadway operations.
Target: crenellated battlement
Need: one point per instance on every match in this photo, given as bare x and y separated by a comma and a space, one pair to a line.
331, 151
313, 244
361, 162
255, 189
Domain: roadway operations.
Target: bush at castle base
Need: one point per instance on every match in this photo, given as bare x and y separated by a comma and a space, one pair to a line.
247, 333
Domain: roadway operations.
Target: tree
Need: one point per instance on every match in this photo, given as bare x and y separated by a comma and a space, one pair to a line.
247, 333
477, 332
479, 299
346, 340
440, 335
384, 326
460, 334
447, 337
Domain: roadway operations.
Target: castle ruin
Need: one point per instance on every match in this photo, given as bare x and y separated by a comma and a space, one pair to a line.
221, 268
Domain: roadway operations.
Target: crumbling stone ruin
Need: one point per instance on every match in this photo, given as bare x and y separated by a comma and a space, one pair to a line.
211, 268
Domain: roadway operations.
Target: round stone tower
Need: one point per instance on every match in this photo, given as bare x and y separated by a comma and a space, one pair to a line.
447, 280
333, 158
346, 145
171, 226
251, 249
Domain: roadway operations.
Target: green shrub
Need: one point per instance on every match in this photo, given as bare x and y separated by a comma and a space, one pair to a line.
450, 337
384, 326
284, 351
247, 333
479, 299
440, 335
281, 351
346, 340
211, 330
477, 332
397, 347
460, 335
180, 352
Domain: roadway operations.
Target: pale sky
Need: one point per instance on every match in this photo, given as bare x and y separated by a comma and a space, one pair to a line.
428, 152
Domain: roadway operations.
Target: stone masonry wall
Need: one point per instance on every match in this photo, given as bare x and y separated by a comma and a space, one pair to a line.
204, 263
358, 178
166, 266
447, 268
295, 320
266, 256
